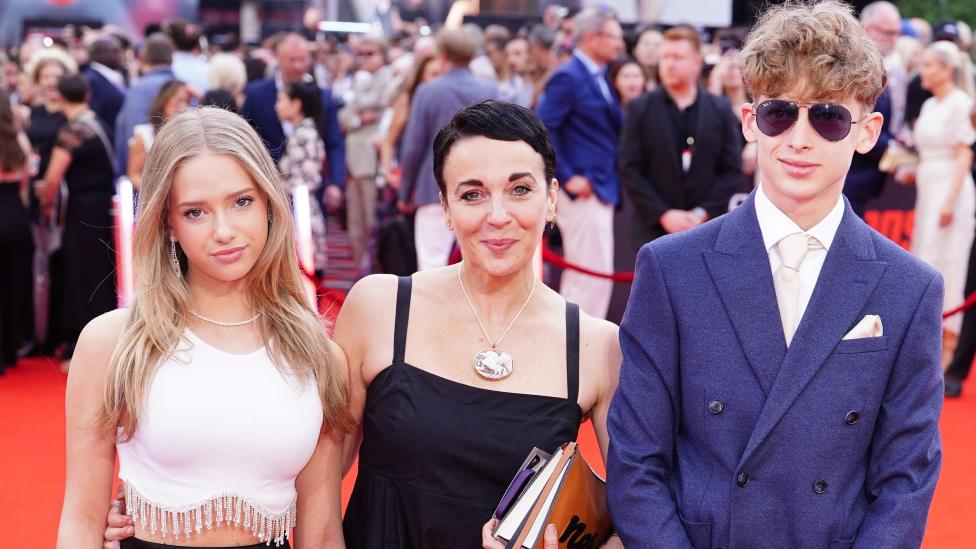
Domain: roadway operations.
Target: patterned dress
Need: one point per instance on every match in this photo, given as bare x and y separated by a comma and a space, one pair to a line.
302, 165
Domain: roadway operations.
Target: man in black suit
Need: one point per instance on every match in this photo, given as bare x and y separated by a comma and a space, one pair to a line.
680, 151
106, 81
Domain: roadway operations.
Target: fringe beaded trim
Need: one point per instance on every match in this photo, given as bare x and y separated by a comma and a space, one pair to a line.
226, 509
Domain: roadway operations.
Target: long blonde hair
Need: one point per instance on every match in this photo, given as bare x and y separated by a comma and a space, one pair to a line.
157, 316
951, 56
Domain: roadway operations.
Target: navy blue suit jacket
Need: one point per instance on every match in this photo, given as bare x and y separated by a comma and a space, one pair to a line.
258, 109
584, 128
106, 100
720, 435
864, 180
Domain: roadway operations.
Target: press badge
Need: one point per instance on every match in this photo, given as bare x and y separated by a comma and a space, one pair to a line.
686, 154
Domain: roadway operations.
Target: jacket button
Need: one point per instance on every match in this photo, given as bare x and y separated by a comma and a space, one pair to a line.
742, 479
820, 486
716, 407
852, 417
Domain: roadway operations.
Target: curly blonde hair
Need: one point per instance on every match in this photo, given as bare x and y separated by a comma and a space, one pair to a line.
816, 49
47, 56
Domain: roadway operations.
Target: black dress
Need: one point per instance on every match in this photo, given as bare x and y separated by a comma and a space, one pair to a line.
87, 242
437, 455
42, 131
16, 273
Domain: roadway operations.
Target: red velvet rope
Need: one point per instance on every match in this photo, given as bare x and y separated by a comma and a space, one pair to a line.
552, 257
966, 305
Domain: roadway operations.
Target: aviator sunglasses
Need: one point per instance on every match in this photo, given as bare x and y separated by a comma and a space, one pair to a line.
833, 122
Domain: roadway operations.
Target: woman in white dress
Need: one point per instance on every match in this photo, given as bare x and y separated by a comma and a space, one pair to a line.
946, 200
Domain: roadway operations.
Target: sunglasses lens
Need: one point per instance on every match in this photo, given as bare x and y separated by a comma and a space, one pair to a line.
833, 122
775, 117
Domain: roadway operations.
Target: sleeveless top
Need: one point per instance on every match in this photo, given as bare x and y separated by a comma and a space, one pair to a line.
220, 441
437, 455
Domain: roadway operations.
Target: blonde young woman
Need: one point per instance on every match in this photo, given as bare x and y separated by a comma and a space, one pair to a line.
218, 389
945, 203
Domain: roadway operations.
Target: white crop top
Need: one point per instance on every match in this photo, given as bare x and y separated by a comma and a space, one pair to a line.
220, 441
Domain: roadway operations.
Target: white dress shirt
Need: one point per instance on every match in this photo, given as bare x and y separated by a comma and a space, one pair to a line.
775, 225
112, 75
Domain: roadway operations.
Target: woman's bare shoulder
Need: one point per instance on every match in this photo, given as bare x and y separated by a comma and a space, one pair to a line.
106, 328
97, 342
372, 291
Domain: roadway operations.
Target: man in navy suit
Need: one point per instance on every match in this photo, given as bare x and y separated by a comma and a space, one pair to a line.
582, 113
105, 80
882, 23
781, 382
294, 62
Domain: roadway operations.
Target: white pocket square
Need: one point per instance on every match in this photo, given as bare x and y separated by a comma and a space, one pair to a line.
869, 326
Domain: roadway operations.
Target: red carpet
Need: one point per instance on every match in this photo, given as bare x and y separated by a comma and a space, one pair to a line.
32, 461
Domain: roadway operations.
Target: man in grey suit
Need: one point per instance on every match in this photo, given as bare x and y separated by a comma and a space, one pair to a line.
434, 103
373, 86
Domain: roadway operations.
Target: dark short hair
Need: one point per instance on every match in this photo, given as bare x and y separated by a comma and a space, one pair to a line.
220, 98
495, 120
309, 96
73, 88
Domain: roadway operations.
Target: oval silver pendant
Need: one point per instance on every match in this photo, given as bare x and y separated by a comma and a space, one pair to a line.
493, 364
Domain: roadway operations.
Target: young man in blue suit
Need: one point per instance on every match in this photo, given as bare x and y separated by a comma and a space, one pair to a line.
781, 383
582, 113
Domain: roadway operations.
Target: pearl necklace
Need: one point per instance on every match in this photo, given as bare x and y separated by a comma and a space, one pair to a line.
494, 364
225, 324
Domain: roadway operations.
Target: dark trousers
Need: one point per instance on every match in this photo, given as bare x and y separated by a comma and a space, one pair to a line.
965, 352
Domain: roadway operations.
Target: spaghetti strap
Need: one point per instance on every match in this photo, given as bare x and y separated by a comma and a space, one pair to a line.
402, 315
572, 351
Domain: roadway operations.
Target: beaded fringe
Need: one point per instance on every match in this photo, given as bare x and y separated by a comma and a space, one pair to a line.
227, 509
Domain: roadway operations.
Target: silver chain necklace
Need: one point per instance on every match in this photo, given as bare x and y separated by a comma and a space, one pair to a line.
494, 364
225, 324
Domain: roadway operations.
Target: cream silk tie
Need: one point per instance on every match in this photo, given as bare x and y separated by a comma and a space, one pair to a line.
786, 280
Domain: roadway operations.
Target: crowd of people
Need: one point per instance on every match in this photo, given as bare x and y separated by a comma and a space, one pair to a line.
645, 123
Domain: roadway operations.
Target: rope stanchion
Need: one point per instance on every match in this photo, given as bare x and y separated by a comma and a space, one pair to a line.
966, 305
552, 257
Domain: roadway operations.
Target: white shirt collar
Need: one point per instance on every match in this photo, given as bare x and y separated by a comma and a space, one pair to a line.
775, 225
112, 75
595, 68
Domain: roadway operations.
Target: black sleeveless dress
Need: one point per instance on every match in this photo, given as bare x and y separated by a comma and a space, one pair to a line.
437, 455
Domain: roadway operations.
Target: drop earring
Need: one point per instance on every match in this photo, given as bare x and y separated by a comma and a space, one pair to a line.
174, 260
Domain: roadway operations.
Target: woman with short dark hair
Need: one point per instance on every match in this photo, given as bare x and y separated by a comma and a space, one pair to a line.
459, 372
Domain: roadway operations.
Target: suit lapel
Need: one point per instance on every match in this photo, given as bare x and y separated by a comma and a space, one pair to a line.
848, 278
739, 267
613, 111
